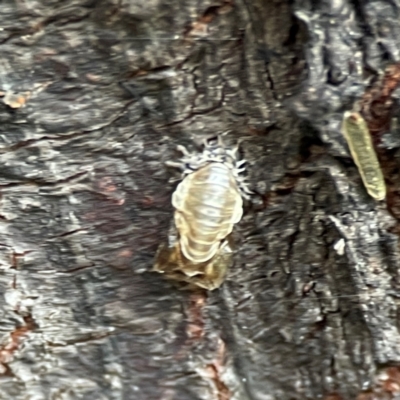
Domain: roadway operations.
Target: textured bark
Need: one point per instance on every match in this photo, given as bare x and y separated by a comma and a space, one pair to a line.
310, 308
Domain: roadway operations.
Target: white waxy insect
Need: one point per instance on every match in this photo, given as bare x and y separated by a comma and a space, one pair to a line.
208, 203
357, 135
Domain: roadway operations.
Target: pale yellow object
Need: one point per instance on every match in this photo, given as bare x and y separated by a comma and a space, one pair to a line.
207, 205
358, 137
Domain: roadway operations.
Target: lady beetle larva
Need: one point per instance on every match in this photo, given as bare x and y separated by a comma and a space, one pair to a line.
208, 202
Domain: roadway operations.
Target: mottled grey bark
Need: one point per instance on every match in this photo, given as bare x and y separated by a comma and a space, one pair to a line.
310, 308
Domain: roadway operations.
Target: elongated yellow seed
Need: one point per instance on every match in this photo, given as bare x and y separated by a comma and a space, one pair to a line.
357, 135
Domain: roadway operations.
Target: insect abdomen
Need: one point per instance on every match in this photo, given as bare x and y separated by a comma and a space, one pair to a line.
208, 204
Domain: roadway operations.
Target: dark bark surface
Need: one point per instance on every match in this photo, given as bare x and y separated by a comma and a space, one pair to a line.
310, 308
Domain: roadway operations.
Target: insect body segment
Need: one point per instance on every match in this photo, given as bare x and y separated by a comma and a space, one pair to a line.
208, 202
357, 135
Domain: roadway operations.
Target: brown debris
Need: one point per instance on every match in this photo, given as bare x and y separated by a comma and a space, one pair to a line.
223, 391
195, 318
16, 100
13, 343
15, 257
390, 381
376, 104
196, 332
214, 370
199, 28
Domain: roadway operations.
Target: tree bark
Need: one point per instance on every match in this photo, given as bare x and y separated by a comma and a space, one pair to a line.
96, 95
